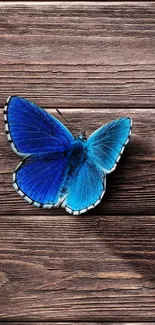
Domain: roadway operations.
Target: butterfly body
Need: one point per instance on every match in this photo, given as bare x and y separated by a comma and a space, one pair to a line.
58, 169
77, 153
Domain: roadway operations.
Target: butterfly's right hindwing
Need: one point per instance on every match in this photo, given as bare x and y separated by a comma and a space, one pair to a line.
87, 188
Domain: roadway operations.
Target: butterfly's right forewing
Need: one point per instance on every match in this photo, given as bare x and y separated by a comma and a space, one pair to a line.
106, 144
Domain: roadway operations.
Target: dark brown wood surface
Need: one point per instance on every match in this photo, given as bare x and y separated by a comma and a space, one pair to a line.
75, 323
70, 323
96, 61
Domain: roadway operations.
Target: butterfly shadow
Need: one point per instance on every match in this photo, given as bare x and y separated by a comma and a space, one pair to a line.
132, 236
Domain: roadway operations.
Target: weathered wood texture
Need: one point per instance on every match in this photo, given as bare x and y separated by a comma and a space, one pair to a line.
66, 54
77, 268
95, 60
75, 323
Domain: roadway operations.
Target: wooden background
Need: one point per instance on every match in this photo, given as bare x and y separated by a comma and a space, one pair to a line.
95, 61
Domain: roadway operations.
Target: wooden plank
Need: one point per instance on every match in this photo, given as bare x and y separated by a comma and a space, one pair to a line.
82, 269
130, 189
78, 54
75, 323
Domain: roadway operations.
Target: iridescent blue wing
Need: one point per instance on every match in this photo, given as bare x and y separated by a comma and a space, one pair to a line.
104, 148
39, 178
87, 187
31, 130
106, 144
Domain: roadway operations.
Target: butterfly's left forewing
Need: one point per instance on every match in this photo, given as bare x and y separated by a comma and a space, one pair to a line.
32, 130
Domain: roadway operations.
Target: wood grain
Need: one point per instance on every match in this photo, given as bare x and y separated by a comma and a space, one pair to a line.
77, 268
88, 54
75, 323
96, 61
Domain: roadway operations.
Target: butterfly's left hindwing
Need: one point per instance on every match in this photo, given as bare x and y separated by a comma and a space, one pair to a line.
31, 130
39, 179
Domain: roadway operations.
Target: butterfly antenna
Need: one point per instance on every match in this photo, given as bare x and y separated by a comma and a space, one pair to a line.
62, 115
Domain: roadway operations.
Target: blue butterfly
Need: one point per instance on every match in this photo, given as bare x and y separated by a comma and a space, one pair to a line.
58, 169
